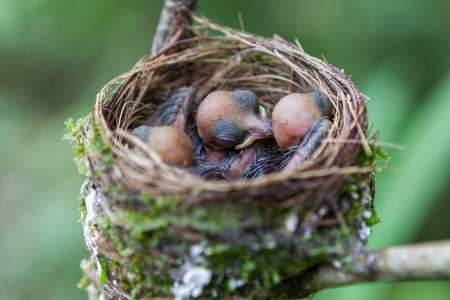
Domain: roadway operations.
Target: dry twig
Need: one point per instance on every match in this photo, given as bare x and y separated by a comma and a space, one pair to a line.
168, 16
425, 261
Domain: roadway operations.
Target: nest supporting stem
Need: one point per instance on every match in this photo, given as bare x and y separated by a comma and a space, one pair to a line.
168, 15
424, 261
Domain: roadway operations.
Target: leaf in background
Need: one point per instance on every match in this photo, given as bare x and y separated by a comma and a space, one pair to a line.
405, 198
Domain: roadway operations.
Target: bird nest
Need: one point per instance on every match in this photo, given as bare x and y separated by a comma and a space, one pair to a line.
158, 230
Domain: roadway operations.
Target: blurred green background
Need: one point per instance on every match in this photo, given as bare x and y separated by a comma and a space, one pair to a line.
56, 55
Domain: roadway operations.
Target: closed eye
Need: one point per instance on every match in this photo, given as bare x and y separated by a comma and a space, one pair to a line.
247, 100
227, 133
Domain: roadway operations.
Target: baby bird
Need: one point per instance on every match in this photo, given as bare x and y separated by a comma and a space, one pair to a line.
269, 160
297, 155
165, 135
232, 119
175, 110
294, 115
172, 144
230, 165
237, 164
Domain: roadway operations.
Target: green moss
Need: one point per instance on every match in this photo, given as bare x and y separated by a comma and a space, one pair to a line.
380, 154
138, 280
373, 220
147, 226
115, 192
84, 283
365, 160
82, 208
142, 227
98, 146
258, 270
126, 286
138, 221
226, 217
110, 232
144, 282
88, 141
74, 134
196, 190
360, 192
103, 277
346, 231
126, 252
211, 219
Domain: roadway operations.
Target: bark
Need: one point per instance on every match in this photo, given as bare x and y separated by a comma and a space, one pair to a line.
172, 11
425, 261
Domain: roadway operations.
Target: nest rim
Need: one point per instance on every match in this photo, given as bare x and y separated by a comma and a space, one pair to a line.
349, 124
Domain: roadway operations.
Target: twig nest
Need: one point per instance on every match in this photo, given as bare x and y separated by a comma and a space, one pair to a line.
154, 229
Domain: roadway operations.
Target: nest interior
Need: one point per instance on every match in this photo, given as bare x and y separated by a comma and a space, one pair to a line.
156, 230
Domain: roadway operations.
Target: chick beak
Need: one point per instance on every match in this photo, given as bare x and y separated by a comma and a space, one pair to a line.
262, 113
259, 130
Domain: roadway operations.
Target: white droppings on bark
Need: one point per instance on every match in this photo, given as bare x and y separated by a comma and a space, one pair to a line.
192, 283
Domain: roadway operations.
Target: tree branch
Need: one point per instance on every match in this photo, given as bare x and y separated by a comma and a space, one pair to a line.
169, 15
425, 261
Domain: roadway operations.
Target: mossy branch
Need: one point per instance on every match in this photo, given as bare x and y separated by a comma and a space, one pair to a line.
425, 261
168, 20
